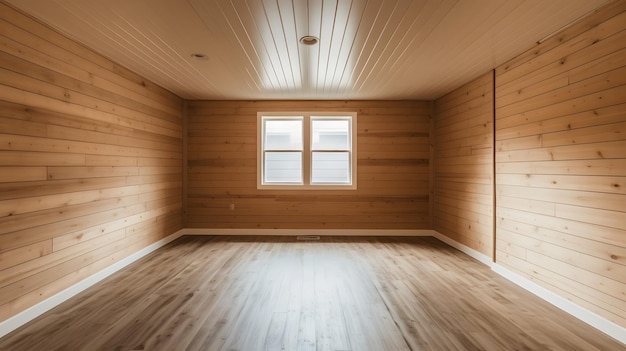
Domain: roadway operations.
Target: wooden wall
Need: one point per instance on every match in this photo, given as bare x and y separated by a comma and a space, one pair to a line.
90, 162
561, 163
393, 170
463, 179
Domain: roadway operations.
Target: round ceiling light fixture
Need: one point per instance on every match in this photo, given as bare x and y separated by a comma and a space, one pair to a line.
200, 57
309, 40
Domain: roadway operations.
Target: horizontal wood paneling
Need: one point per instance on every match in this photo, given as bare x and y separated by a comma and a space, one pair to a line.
463, 178
90, 162
393, 169
561, 163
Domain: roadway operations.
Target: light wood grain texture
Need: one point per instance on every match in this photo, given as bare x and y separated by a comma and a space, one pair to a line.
464, 165
393, 169
276, 293
560, 163
90, 162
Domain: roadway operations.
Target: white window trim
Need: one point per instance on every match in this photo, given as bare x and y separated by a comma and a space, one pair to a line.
306, 153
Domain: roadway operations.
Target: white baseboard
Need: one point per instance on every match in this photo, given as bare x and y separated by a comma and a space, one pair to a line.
320, 232
606, 326
465, 249
33, 312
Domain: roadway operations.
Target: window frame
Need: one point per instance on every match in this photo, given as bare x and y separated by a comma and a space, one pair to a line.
307, 151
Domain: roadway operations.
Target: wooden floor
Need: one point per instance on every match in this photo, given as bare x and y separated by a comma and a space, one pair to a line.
260, 293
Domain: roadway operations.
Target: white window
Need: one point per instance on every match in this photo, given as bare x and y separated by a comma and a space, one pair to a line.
306, 150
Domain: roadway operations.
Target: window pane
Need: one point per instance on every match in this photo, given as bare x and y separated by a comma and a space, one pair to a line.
330, 134
283, 135
283, 167
331, 167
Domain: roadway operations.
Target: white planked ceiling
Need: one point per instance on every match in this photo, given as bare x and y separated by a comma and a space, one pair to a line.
368, 49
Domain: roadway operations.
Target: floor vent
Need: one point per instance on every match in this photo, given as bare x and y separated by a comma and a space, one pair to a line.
308, 237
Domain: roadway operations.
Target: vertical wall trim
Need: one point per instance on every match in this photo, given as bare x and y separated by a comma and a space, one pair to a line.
432, 165
493, 166
185, 158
